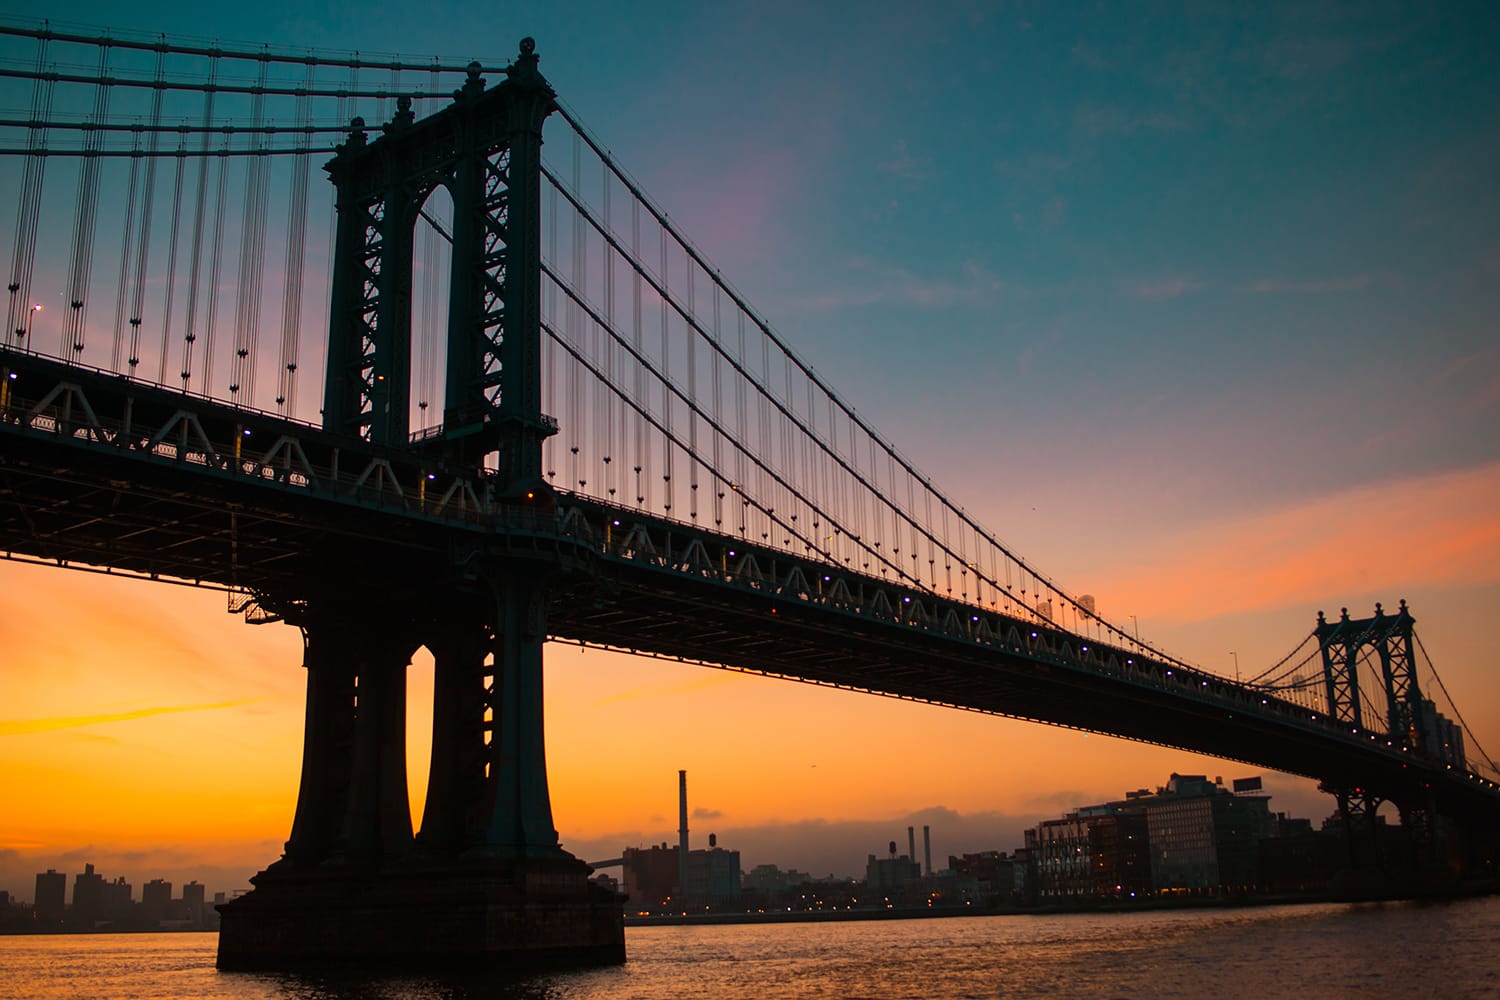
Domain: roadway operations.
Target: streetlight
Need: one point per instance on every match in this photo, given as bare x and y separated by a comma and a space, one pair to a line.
30, 315
1137, 623
1236, 665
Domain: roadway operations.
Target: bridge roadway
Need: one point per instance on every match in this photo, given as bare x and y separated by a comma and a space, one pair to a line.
104, 472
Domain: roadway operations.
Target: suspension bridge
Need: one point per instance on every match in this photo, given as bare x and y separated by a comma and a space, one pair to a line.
538, 413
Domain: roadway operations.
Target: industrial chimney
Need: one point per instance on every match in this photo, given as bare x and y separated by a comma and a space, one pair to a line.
911, 843
682, 835
927, 850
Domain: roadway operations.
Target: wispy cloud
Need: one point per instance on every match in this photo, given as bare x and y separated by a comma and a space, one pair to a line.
1098, 121
975, 285
1162, 289
912, 169
18, 727
1301, 554
1317, 286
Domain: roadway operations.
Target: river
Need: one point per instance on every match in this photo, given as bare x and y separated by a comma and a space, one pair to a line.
1447, 949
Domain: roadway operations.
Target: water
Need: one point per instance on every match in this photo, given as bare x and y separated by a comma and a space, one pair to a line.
1393, 949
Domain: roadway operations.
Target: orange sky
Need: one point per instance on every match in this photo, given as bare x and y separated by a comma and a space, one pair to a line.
149, 731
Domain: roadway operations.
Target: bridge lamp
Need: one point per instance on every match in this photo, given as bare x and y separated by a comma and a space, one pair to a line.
30, 315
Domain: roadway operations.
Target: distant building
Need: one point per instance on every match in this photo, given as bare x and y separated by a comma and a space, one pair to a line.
1120, 855
892, 874
51, 894
994, 873
1061, 857
713, 877
156, 901
1192, 835
193, 897
650, 878
90, 904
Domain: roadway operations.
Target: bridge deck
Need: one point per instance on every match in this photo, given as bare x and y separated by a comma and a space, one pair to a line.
101, 471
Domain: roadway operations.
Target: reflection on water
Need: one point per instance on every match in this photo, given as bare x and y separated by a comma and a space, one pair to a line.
1398, 949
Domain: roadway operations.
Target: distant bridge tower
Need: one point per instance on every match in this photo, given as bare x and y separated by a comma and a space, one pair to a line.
1410, 722
1390, 636
485, 878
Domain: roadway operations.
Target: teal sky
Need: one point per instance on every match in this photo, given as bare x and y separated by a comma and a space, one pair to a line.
1197, 306
1235, 256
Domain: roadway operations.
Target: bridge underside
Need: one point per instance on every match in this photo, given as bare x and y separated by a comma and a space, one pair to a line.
324, 522
300, 519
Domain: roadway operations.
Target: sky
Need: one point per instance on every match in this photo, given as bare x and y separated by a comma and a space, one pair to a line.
1197, 307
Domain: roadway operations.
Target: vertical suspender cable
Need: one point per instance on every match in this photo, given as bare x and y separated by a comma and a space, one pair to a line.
23, 260
575, 328
166, 313
642, 457
296, 257
666, 393
607, 392
81, 263
691, 336
741, 424
143, 241
549, 353
252, 255
195, 257
716, 372
127, 243
215, 266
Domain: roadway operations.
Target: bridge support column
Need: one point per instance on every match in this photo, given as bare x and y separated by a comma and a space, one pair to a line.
521, 824
456, 787
377, 826
327, 744
486, 882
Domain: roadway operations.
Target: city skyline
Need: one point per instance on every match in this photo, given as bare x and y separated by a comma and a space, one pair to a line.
1211, 339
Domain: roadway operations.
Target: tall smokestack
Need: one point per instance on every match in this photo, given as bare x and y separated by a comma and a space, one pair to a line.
927, 848
911, 843
682, 835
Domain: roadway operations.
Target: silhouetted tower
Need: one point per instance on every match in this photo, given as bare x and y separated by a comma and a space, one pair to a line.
1390, 636
485, 149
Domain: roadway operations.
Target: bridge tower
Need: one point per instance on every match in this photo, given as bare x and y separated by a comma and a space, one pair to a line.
1407, 715
485, 878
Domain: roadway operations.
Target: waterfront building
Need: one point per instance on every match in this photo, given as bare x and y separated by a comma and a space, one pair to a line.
51, 895
891, 875
1061, 858
156, 901
1191, 835
651, 877
193, 903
